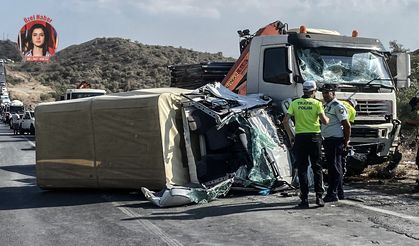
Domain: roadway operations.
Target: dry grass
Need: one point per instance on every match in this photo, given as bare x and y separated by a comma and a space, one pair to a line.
29, 91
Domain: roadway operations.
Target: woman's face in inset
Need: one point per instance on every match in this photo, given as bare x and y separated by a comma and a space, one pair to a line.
38, 37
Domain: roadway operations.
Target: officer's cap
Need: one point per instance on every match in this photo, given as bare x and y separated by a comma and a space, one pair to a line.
309, 85
328, 87
352, 101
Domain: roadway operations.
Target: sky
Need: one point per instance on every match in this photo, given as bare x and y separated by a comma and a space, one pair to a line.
211, 25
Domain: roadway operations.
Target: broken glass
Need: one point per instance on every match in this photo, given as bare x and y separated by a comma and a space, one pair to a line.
340, 66
203, 195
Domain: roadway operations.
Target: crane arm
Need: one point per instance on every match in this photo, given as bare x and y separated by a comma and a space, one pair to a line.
235, 79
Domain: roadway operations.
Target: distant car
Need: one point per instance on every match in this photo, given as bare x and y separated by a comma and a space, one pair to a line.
4, 100
27, 123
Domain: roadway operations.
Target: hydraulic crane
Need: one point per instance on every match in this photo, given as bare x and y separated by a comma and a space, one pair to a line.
235, 80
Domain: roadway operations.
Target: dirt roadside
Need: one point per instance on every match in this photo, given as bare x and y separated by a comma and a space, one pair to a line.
28, 90
400, 181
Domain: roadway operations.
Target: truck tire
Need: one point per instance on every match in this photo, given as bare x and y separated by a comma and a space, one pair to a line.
354, 167
32, 129
394, 161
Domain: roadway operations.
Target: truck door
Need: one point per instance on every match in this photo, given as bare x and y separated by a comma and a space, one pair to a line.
276, 72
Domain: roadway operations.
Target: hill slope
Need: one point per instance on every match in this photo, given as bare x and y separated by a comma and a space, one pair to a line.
8, 50
114, 64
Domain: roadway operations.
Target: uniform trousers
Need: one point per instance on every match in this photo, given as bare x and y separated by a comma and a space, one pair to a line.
308, 147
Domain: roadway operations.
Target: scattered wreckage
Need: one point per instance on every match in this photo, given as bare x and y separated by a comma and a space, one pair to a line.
193, 145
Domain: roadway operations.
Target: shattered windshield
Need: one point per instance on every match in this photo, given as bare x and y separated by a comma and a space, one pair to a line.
347, 66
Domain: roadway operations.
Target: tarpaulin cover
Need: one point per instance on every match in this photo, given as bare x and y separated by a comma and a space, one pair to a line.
124, 140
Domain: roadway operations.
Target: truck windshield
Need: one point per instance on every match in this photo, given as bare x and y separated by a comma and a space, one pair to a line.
83, 94
344, 66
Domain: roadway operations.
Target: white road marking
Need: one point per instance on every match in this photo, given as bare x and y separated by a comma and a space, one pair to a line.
29, 141
380, 210
150, 227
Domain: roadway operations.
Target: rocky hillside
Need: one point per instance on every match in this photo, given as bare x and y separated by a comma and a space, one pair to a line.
8, 50
114, 64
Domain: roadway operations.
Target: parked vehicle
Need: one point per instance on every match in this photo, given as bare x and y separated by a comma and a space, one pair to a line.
4, 99
16, 106
27, 124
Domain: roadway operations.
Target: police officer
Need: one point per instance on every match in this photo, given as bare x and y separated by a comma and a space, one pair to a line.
306, 112
350, 104
414, 103
336, 137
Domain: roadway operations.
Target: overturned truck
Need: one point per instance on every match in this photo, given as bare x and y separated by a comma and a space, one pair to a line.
162, 139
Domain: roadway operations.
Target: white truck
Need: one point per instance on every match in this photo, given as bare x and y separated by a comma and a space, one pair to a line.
276, 61
83, 89
16, 106
82, 93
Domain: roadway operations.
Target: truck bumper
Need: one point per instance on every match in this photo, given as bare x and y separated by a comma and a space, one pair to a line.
378, 142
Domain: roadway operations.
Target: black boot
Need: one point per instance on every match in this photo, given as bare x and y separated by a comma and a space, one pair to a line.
303, 203
330, 198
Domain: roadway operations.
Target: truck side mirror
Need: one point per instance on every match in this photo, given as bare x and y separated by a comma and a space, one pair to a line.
399, 64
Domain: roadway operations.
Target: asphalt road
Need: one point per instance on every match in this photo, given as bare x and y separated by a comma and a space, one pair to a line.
31, 216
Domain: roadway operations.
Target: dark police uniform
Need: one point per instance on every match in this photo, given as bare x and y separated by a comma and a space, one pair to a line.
333, 147
305, 111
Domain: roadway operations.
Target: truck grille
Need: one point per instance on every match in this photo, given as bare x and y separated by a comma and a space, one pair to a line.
373, 108
364, 133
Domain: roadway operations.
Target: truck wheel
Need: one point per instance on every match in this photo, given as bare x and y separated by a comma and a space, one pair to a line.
394, 161
354, 167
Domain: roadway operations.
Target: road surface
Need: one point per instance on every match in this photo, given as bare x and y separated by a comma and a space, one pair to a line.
31, 216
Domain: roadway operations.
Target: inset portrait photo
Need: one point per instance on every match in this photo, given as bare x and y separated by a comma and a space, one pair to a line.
37, 40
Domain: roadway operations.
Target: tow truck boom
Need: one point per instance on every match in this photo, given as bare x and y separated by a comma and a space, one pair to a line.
235, 80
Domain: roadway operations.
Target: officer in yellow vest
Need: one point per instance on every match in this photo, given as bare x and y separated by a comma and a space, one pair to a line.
307, 143
350, 105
